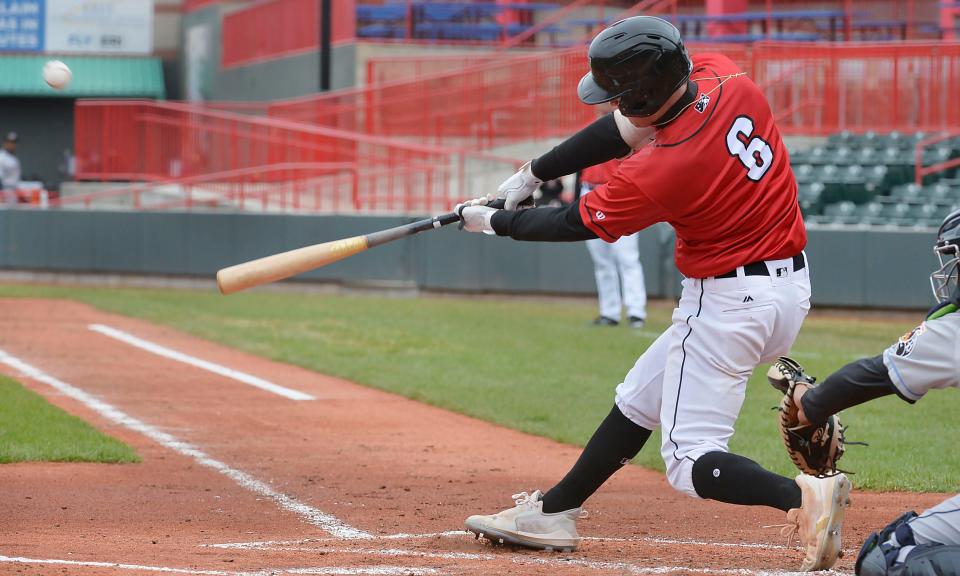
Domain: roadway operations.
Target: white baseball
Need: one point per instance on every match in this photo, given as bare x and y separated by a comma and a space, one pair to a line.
57, 74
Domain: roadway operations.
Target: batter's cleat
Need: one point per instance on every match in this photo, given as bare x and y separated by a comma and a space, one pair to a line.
819, 519
527, 525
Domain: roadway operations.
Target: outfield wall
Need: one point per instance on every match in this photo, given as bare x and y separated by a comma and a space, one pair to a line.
879, 269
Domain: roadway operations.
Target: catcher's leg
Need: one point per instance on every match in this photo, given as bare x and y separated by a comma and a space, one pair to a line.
940, 524
911, 545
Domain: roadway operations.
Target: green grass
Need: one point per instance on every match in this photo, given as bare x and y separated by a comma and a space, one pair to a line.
32, 429
538, 366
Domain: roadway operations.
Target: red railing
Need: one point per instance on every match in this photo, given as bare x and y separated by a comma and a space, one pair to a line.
496, 102
859, 87
922, 171
215, 156
277, 28
191, 5
812, 88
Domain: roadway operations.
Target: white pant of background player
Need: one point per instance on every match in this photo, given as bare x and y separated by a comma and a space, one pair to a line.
693, 378
619, 276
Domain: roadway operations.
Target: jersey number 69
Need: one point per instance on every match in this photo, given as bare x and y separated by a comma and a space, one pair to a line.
754, 153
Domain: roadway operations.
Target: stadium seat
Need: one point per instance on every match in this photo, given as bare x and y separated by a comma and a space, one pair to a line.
871, 213
841, 212
820, 155
939, 191
898, 213
926, 212
899, 163
866, 156
805, 173
810, 197
844, 138
907, 191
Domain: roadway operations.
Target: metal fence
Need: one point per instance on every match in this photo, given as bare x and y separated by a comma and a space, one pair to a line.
185, 157
813, 89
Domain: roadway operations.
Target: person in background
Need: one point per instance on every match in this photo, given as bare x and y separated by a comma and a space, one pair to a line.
551, 194
616, 265
9, 168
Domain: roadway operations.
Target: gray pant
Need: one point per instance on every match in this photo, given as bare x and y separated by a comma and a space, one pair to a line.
940, 524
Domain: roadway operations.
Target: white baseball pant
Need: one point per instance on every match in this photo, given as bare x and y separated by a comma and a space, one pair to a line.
619, 275
692, 380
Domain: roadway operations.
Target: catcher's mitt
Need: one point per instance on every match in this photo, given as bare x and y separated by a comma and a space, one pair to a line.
814, 449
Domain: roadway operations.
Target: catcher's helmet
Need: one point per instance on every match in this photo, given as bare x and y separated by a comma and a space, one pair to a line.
944, 280
640, 60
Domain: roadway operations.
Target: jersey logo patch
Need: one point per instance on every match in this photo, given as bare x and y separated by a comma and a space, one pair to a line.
600, 215
908, 341
701, 104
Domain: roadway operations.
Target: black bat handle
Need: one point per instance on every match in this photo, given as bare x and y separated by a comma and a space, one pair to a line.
384, 236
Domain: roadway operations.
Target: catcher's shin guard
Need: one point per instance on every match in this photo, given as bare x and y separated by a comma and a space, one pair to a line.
923, 560
879, 551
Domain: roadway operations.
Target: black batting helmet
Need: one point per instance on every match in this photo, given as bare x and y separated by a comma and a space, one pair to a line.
944, 280
640, 60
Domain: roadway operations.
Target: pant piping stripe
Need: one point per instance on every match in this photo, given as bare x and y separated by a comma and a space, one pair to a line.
683, 348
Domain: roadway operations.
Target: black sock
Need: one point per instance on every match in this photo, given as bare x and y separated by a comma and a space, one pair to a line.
737, 480
615, 442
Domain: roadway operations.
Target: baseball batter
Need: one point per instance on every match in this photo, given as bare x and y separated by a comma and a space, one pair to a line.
707, 158
926, 358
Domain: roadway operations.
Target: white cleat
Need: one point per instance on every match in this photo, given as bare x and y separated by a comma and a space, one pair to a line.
819, 519
526, 525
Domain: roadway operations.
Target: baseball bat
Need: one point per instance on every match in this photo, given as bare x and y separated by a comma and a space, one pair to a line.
286, 264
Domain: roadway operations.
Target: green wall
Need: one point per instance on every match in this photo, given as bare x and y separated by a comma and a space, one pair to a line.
851, 267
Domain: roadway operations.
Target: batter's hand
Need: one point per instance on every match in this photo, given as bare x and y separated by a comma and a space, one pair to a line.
475, 216
518, 187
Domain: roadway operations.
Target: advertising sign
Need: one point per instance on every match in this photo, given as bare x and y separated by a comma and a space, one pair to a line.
124, 26
94, 26
21, 25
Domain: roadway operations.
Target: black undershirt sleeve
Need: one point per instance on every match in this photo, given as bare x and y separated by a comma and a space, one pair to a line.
595, 144
562, 224
855, 383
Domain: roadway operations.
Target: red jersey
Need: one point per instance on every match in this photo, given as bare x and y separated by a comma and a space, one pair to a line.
599, 174
719, 174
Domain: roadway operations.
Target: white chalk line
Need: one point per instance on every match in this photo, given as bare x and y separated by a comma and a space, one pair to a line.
271, 544
218, 369
623, 567
380, 552
526, 559
322, 520
330, 570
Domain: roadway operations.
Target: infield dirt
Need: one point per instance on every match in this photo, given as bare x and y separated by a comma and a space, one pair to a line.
403, 473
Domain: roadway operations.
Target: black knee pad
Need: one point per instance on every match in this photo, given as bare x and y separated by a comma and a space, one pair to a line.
706, 475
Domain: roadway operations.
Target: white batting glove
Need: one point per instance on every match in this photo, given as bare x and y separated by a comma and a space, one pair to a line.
475, 216
518, 187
